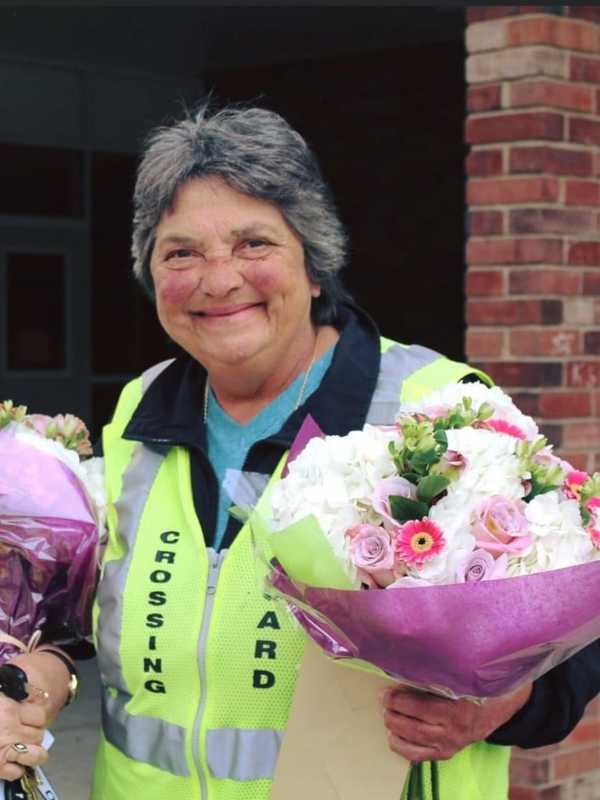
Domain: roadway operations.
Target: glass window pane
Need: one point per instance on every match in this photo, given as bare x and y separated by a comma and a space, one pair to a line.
41, 180
35, 301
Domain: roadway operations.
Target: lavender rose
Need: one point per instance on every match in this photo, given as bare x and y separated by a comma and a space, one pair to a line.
500, 525
372, 553
482, 566
391, 487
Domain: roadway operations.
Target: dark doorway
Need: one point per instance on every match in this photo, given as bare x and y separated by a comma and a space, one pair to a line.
388, 130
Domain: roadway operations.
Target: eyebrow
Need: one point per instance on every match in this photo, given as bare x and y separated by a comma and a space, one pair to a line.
252, 229
175, 238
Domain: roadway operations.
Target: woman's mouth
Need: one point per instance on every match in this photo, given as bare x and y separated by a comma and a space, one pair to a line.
226, 312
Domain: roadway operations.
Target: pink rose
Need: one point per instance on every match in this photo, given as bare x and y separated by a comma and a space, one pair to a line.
500, 525
481, 566
372, 553
390, 487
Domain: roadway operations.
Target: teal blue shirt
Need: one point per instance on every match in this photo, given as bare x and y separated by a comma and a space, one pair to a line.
229, 441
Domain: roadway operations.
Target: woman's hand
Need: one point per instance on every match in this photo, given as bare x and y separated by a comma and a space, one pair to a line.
21, 724
426, 727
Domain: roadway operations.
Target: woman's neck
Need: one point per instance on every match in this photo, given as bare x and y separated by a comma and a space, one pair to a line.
244, 391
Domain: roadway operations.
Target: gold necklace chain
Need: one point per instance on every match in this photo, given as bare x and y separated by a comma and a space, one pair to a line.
298, 399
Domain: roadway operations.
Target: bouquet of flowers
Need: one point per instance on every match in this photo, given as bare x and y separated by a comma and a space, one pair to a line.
52, 506
51, 509
479, 548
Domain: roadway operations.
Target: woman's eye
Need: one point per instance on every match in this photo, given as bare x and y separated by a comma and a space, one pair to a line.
180, 253
253, 248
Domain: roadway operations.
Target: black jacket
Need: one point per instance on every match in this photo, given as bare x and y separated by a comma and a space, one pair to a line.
170, 413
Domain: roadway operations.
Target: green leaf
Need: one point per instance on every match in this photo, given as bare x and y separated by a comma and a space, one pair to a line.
430, 487
420, 461
441, 438
537, 489
404, 509
411, 476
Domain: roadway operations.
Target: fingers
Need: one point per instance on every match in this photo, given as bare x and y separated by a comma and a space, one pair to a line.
418, 726
413, 752
417, 741
11, 772
18, 756
34, 714
31, 755
419, 705
22, 721
412, 730
12, 731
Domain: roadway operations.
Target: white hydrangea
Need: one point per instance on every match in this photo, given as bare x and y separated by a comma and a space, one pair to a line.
560, 539
92, 470
332, 478
336, 477
492, 468
448, 396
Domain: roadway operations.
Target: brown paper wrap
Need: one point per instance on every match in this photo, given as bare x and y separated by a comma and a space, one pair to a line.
335, 745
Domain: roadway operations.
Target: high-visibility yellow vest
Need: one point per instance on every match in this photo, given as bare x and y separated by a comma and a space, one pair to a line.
198, 668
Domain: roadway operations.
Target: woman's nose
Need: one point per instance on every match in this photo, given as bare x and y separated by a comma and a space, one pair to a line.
220, 275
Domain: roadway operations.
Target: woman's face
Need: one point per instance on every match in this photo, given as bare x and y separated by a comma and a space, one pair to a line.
229, 276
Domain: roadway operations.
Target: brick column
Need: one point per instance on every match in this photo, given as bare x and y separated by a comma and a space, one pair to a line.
533, 255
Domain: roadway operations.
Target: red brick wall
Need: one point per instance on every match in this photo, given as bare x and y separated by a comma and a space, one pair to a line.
533, 254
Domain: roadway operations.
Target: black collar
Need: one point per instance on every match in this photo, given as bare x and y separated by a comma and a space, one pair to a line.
170, 412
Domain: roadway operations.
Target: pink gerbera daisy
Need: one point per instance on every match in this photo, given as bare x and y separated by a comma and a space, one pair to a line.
502, 426
417, 541
573, 483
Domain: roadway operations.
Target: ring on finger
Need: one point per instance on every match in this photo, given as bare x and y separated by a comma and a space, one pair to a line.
19, 747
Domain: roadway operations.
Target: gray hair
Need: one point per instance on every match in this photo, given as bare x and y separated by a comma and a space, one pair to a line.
258, 153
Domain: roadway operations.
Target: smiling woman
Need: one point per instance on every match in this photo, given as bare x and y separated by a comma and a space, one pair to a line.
232, 290
237, 241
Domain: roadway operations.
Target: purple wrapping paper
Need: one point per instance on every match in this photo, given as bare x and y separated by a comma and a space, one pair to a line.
308, 430
48, 540
473, 639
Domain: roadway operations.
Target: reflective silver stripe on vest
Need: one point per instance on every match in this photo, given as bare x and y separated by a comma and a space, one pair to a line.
153, 372
243, 754
147, 739
397, 364
244, 488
